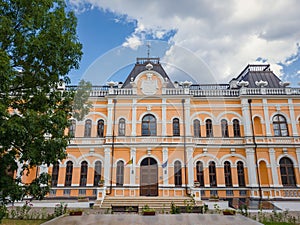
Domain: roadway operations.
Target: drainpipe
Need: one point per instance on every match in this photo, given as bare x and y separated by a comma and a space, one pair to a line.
112, 148
255, 151
184, 147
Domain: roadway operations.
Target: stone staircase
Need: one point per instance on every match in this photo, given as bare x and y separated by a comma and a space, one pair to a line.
158, 203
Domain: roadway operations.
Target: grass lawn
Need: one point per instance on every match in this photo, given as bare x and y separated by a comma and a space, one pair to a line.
277, 223
22, 222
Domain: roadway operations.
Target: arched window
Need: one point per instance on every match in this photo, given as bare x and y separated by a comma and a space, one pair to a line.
120, 173
177, 173
224, 128
197, 131
97, 173
72, 128
209, 128
54, 176
176, 127
88, 128
227, 174
241, 174
100, 128
212, 174
148, 125
287, 172
236, 128
200, 173
121, 127
83, 173
280, 126
69, 172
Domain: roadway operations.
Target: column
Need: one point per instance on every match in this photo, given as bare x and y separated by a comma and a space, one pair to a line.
165, 170
190, 166
43, 169
109, 117
298, 157
133, 122
267, 120
187, 117
107, 159
164, 117
246, 116
251, 165
273, 167
133, 166
292, 117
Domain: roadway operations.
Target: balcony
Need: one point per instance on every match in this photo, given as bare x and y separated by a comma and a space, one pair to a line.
204, 141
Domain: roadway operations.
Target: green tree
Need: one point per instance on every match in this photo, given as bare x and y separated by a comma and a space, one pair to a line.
38, 48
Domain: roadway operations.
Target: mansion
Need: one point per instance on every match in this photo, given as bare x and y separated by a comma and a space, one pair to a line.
151, 136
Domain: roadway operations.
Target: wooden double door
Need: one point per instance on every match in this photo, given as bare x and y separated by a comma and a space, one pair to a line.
149, 177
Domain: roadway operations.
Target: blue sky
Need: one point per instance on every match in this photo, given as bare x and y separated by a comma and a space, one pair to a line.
209, 43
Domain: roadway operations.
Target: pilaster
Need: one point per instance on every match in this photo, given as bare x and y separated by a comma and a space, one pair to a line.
298, 157
164, 117
107, 158
292, 117
267, 120
190, 166
109, 117
133, 166
246, 116
133, 122
251, 165
165, 152
273, 167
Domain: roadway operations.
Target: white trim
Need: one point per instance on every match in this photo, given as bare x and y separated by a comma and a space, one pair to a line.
209, 158
228, 112
295, 163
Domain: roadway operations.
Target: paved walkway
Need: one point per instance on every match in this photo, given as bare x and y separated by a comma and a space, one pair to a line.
161, 219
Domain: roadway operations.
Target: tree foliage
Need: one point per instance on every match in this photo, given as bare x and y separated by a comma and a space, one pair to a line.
38, 48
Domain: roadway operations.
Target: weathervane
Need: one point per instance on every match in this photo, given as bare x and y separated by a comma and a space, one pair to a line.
148, 49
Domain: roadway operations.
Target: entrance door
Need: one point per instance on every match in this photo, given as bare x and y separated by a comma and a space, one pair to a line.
149, 177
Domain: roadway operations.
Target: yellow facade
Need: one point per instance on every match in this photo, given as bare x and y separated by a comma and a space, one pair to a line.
177, 134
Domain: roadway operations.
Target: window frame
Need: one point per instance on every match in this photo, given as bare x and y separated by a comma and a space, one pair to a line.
287, 166
227, 174
197, 128
212, 174
280, 125
236, 128
209, 128
100, 128
177, 174
122, 127
176, 127
69, 174
200, 173
224, 128
88, 128
54, 175
241, 173
120, 173
97, 172
83, 173
149, 126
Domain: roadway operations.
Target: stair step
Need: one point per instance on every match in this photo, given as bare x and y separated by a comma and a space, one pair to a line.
152, 202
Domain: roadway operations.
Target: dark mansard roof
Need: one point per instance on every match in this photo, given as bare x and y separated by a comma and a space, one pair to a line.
140, 66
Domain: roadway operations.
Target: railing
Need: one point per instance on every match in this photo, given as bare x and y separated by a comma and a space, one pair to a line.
220, 92
199, 91
154, 140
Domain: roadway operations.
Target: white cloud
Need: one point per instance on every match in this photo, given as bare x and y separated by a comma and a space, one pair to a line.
226, 35
132, 42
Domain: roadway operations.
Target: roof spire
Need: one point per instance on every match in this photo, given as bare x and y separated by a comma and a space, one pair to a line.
148, 49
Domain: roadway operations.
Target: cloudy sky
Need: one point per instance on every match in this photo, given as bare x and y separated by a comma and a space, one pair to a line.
208, 40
